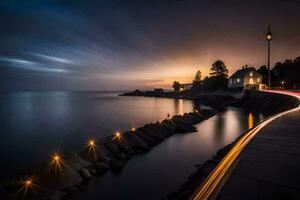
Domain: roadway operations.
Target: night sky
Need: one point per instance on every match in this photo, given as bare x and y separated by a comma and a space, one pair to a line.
114, 44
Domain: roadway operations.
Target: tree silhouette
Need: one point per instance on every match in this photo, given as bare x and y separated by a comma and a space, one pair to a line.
198, 76
218, 69
263, 70
176, 86
287, 71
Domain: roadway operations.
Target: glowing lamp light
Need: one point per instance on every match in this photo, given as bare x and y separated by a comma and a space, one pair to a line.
92, 143
56, 158
117, 136
28, 182
56, 161
269, 34
26, 185
132, 129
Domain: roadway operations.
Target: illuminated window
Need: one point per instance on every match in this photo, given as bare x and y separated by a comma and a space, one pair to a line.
251, 80
251, 73
258, 79
238, 80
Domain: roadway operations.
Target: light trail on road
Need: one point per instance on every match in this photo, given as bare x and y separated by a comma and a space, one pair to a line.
206, 189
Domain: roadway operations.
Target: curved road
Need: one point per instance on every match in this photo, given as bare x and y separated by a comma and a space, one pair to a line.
211, 183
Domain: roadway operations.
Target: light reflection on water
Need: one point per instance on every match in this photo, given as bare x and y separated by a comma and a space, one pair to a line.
154, 174
250, 121
35, 124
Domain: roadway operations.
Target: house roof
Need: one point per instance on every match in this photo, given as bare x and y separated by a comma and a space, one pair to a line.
242, 72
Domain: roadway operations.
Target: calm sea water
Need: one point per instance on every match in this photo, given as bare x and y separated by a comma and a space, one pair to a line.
35, 124
167, 166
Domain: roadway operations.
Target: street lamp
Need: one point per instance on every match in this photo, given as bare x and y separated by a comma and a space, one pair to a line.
117, 136
269, 38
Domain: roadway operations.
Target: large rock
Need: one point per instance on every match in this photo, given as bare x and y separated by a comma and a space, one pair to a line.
137, 143
85, 173
104, 158
122, 156
112, 147
56, 195
117, 165
102, 166
150, 132
183, 127
148, 139
74, 161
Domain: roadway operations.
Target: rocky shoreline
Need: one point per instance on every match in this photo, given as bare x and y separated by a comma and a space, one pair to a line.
203, 170
217, 100
112, 153
265, 102
252, 100
72, 171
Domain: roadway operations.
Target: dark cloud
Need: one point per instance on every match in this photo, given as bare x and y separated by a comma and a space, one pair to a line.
117, 44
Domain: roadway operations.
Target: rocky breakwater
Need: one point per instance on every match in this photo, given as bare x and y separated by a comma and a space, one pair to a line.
267, 103
252, 100
70, 171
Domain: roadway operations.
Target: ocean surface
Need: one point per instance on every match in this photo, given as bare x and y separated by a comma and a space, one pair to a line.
36, 124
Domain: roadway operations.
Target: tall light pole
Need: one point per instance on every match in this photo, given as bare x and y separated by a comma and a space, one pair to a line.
269, 38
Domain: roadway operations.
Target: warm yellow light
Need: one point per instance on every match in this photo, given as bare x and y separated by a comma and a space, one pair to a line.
56, 162
117, 136
28, 182
251, 80
92, 143
250, 121
56, 158
133, 129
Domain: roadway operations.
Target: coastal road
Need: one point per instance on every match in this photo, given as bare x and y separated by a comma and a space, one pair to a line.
212, 185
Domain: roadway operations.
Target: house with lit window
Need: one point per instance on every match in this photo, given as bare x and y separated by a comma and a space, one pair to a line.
246, 78
186, 86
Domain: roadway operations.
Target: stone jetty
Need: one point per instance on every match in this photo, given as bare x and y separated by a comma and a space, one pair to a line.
72, 171
264, 102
